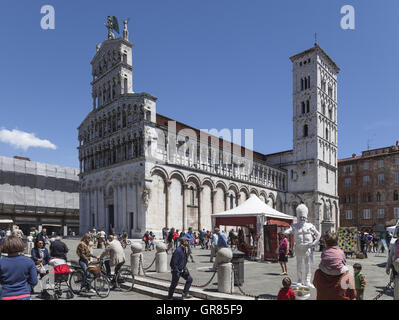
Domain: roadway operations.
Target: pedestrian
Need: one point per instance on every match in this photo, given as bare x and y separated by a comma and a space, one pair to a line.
58, 249
116, 256
17, 273
178, 268
369, 243
363, 244
100, 238
214, 242
152, 238
360, 281
201, 239
333, 260
376, 240
146, 239
164, 234
42, 236
283, 253
8, 232
170, 239
208, 237
18, 232
392, 267
221, 242
286, 293
190, 237
41, 258
176, 238
231, 238
84, 254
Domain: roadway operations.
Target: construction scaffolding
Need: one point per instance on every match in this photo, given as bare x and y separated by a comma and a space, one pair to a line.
34, 191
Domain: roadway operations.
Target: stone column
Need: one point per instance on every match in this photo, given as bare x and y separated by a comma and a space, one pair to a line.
101, 211
161, 258
123, 221
167, 193
225, 198
135, 257
185, 197
213, 193
116, 205
199, 190
225, 270
95, 220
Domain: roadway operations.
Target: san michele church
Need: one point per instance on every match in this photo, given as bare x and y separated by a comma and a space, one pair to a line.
140, 170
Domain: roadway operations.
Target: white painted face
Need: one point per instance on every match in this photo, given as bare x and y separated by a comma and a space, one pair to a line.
302, 212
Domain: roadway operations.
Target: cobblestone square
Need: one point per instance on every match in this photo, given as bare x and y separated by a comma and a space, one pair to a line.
260, 278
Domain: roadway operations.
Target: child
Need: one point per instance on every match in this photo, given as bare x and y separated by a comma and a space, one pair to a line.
360, 281
333, 260
286, 293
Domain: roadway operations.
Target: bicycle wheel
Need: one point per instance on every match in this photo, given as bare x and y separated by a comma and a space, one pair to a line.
75, 281
101, 285
125, 279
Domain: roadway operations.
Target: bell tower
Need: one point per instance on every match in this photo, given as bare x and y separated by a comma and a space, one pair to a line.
315, 119
112, 68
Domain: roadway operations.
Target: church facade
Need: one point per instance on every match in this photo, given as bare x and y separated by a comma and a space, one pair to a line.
140, 170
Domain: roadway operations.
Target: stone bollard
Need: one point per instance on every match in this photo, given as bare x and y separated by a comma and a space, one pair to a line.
225, 270
161, 258
135, 256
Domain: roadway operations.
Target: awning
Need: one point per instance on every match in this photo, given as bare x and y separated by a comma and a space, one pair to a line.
279, 222
235, 221
51, 225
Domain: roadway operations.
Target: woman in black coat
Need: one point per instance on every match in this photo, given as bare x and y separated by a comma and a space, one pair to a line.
41, 257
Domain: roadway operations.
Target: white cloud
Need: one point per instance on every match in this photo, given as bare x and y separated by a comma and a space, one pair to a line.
24, 140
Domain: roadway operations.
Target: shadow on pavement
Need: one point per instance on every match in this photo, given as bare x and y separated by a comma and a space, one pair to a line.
267, 296
387, 293
272, 274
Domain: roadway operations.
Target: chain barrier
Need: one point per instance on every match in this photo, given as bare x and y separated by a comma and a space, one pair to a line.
149, 265
389, 286
235, 277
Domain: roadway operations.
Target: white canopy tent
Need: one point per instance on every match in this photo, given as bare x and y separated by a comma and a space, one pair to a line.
256, 213
253, 207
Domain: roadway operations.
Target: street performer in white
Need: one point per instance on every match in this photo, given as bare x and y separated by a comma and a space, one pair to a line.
303, 238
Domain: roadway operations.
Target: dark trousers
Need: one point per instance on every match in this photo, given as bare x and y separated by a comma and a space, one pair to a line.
86, 274
359, 294
108, 267
175, 280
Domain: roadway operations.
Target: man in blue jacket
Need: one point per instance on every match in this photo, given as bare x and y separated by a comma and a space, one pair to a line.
178, 266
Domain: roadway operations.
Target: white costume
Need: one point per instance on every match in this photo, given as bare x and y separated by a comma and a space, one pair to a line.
303, 238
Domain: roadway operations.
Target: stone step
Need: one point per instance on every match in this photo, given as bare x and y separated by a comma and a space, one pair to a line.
156, 293
199, 293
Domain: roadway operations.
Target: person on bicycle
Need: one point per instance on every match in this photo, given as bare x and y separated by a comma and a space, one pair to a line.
84, 254
116, 254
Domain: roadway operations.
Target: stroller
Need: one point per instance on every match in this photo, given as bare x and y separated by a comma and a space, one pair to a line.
61, 273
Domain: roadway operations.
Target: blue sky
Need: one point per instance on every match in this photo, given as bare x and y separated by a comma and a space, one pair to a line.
212, 64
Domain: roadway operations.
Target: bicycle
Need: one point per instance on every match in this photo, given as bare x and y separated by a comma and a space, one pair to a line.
100, 281
122, 280
125, 243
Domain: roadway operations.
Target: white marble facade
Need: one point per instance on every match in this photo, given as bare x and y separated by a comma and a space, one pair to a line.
140, 171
